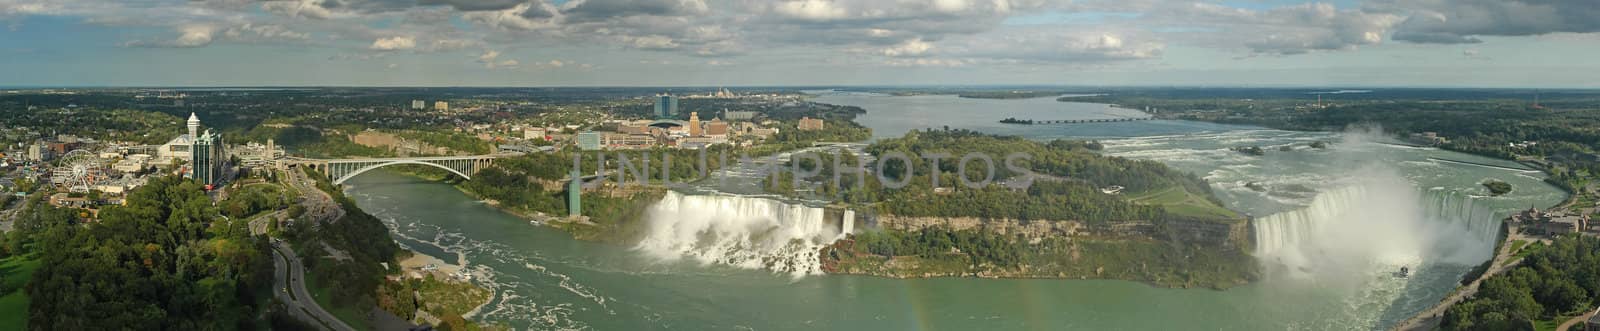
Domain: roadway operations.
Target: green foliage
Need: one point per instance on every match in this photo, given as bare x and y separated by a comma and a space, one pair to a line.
353, 282
1497, 187
1066, 182
15, 272
253, 199
1552, 281
451, 140
163, 261
105, 124
979, 246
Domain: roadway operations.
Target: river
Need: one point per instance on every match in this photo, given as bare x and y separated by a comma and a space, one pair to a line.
1339, 220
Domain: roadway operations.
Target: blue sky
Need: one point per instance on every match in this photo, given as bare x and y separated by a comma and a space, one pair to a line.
1479, 43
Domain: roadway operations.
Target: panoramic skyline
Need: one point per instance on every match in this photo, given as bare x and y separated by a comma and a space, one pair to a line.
1468, 43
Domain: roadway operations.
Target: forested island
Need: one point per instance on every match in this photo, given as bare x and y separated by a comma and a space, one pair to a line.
1014, 120
1165, 227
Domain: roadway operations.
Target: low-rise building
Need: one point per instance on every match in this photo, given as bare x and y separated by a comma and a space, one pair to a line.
808, 124
629, 141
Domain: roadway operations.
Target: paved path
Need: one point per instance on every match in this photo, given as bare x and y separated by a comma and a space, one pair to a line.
289, 281
1430, 318
1576, 320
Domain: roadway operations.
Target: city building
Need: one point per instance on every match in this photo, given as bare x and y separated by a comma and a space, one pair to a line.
634, 127
738, 115
210, 155
700, 142
717, 128
533, 133
132, 163
754, 130
629, 141
666, 106
418, 104
39, 152
694, 124
588, 140
808, 124
441, 105
255, 155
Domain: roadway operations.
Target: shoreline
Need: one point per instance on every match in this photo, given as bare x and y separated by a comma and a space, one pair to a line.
1421, 319
1152, 283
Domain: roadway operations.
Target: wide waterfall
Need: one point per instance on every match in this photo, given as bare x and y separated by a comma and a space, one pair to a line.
1376, 225
746, 232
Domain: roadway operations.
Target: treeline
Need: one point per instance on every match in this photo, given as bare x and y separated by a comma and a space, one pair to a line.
307, 141
1044, 200
164, 261
978, 246
104, 124
252, 199
1066, 182
1557, 280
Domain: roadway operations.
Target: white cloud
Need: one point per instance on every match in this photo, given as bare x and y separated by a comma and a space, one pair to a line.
651, 42
914, 47
394, 43
524, 17
189, 36
269, 31
298, 8
815, 10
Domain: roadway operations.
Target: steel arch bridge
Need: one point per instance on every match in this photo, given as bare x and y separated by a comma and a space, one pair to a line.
341, 170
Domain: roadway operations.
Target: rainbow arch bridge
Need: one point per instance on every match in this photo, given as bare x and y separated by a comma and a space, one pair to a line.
340, 170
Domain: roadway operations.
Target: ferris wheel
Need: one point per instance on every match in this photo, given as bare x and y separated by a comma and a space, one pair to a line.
79, 171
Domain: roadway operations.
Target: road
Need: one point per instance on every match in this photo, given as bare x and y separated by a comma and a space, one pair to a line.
289, 286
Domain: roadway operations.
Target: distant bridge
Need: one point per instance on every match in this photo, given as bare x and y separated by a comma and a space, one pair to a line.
1101, 120
340, 170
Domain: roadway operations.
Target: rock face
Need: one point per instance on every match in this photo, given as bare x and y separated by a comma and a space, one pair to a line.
1222, 234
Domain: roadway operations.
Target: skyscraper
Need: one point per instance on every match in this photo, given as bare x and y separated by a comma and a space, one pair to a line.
208, 153
666, 106
441, 105
418, 104
694, 124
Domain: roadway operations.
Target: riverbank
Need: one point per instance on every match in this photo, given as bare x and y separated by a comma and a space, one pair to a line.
430, 291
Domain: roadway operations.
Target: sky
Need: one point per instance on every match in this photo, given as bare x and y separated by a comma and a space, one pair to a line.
1428, 43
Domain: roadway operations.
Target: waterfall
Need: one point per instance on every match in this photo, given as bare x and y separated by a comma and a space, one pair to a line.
745, 232
1376, 225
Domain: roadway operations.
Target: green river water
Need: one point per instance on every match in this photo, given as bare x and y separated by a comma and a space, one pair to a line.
1369, 208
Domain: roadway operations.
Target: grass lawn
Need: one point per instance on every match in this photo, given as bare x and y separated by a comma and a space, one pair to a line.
355, 318
1517, 244
1526, 250
1551, 324
14, 305
1178, 201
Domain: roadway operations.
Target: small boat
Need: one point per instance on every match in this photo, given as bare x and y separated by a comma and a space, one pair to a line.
1403, 273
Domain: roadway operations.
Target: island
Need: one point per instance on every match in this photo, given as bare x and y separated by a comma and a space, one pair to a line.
1497, 187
